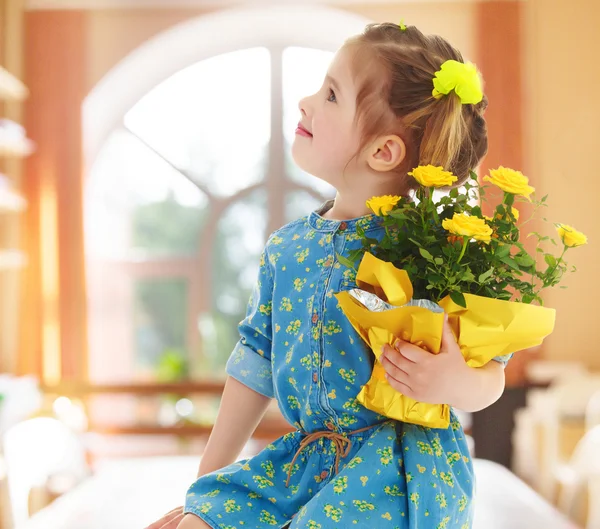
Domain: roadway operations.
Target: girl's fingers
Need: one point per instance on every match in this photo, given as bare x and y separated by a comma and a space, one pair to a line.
394, 371
174, 523
159, 524
395, 358
399, 386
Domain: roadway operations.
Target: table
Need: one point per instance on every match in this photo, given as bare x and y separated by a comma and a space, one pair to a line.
131, 493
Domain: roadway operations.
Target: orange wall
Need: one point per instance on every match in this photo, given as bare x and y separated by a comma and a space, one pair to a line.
562, 140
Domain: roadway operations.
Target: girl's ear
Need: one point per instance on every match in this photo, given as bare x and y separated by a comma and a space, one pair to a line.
386, 153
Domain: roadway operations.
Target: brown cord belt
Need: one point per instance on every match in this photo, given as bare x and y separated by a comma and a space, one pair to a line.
341, 442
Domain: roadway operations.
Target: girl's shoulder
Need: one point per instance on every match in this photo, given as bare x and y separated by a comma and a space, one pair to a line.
289, 232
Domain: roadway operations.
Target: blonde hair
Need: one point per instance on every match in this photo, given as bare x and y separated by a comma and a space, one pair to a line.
394, 71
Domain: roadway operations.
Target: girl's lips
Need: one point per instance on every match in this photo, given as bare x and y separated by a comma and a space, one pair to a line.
302, 131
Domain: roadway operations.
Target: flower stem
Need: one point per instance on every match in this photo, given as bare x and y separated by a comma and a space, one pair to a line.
565, 248
464, 247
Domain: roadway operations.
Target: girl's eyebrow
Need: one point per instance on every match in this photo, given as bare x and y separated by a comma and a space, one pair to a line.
333, 82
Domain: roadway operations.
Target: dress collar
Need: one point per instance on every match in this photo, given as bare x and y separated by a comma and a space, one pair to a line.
317, 222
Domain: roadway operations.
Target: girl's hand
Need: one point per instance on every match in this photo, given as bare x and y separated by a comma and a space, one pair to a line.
423, 376
169, 521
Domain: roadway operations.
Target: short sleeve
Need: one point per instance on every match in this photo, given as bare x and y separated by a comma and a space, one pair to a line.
250, 361
503, 359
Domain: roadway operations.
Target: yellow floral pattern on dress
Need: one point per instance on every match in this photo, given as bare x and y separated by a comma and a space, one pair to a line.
297, 346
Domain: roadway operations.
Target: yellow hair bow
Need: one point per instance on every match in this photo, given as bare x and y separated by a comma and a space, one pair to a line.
462, 78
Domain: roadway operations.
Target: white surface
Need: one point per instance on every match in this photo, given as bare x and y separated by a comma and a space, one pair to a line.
11, 259
17, 148
130, 494
11, 87
580, 475
11, 201
35, 450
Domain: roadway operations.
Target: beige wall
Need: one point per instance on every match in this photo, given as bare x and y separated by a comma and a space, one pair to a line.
112, 34
562, 144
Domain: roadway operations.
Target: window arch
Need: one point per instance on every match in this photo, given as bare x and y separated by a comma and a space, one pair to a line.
186, 175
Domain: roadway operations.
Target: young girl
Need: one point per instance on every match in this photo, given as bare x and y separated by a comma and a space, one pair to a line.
375, 118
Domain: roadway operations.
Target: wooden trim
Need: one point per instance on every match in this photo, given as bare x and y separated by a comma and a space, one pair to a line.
499, 57
54, 333
82, 390
269, 428
266, 430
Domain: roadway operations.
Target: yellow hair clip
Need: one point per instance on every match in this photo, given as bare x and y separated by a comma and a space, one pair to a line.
462, 78
402, 25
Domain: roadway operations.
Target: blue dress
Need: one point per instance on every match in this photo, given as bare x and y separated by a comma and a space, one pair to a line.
297, 346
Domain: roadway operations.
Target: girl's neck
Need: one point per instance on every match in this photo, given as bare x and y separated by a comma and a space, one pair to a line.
345, 210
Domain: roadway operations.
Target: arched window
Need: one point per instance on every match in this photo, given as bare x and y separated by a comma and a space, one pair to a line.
189, 169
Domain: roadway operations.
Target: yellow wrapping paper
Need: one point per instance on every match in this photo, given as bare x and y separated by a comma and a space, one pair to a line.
487, 328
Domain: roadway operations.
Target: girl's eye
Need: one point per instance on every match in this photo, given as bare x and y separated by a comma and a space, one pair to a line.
331, 95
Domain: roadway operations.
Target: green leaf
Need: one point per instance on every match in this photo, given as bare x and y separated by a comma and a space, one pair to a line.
435, 278
426, 254
486, 275
473, 175
397, 214
468, 276
502, 251
438, 261
510, 262
453, 193
415, 242
345, 261
550, 259
527, 298
524, 260
459, 299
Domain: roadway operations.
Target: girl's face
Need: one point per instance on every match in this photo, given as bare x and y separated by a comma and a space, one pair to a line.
326, 138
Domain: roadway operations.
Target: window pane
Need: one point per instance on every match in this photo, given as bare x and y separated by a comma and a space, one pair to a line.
239, 243
303, 73
212, 119
160, 327
138, 206
300, 203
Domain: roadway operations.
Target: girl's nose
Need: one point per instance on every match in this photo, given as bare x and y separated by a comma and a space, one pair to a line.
303, 105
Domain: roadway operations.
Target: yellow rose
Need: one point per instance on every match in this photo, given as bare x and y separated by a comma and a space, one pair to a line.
465, 225
570, 236
382, 205
430, 176
510, 181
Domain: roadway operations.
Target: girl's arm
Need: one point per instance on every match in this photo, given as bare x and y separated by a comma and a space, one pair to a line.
444, 378
240, 412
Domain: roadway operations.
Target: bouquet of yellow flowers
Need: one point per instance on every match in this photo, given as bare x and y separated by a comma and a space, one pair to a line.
446, 256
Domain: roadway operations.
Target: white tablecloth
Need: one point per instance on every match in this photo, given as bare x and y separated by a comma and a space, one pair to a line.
131, 493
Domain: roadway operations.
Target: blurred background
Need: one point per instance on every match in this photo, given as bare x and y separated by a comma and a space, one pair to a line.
145, 157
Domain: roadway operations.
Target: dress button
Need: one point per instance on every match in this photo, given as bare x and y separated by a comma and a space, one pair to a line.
315, 377
315, 318
324, 474
343, 226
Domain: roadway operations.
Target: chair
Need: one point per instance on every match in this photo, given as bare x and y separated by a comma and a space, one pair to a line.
592, 412
545, 418
36, 452
583, 472
568, 400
